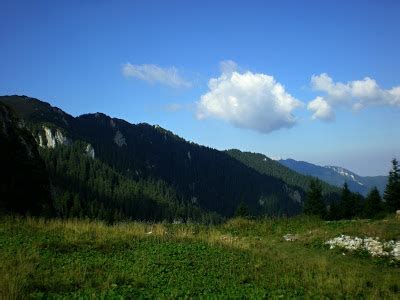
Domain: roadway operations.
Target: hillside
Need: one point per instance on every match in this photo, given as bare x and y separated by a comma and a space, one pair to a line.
337, 176
212, 180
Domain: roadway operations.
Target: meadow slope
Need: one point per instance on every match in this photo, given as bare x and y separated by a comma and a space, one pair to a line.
241, 258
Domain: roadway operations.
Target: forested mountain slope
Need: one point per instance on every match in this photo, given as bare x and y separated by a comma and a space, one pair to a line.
265, 165
201, 176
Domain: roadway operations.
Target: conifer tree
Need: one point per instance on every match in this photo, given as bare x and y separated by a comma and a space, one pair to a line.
373, 204
347, 203
392, 192
334, 211
314, 203
242, 210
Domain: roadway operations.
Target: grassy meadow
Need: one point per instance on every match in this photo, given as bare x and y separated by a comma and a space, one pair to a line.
241, 258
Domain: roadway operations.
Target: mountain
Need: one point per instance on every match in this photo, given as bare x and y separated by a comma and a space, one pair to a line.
337, 176
154, 162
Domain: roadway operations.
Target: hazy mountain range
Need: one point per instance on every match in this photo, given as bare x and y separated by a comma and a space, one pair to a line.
338, 176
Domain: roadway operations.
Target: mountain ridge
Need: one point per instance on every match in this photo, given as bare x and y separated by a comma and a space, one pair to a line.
212, 179
337, 176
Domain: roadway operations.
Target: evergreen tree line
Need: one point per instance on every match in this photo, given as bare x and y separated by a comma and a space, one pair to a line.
352, 205
86, 187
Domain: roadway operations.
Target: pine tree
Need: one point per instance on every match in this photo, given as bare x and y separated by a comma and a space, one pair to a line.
373, 204
314, 203
242, 210
348, 206
392, 192
334, 212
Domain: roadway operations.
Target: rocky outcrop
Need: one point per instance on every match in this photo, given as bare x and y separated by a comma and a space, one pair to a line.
52, 138
119, 139
290, 237
374, 247
90, 151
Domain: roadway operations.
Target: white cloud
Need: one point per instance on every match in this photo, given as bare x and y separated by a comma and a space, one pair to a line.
322, 110
248, 100
357, 94
227, 66
156, 74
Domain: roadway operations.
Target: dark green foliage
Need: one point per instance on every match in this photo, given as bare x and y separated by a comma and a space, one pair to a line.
24, 184
242, 210
314, 203
334, 212
392, 192
373, 204
86, 187
349, 203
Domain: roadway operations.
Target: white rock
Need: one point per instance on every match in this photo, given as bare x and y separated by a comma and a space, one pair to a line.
290, 237
52, 140
89, 151
119, 139
373, 246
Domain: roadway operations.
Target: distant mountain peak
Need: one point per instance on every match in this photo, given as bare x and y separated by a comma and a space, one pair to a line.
346, 173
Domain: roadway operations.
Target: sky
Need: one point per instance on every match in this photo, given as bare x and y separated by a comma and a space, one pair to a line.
317, 81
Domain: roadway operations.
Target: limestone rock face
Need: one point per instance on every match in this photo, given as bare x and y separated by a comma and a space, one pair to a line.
90, 151
119, 139
52, 138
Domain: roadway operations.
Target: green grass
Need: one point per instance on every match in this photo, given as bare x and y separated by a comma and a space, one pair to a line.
241, 258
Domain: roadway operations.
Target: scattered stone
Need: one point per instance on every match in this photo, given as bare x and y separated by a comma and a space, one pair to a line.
290, 237
374, 247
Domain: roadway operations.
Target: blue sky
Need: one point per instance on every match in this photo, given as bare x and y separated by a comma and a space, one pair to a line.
309, 80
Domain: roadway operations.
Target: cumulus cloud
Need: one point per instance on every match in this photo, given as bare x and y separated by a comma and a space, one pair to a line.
156, 74
321, 109
357, 94
248, 100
